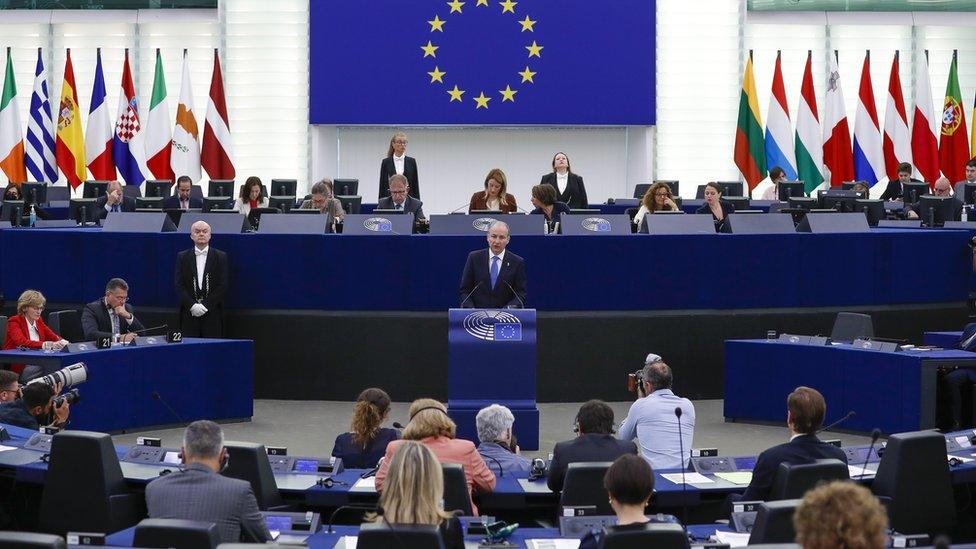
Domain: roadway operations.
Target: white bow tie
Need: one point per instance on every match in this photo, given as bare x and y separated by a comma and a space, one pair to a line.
200, 252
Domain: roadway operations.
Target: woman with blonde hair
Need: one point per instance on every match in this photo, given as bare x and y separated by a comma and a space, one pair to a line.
397, 161
495, 196
27, 329
840, 514
431, 426
365, 443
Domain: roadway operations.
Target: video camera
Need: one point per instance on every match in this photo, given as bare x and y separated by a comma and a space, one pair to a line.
69, 376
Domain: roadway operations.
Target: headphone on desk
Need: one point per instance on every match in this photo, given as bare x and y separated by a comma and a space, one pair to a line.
329, 482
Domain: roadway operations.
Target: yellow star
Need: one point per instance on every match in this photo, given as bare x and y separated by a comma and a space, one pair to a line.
527, 76
455, 6
528, 24
456, 94
437, 75
508, 6
430, 50
482, 3
438, 25
508, 94
482, 101
534, 50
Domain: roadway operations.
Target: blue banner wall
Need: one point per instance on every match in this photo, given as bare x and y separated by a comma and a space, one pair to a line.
493, 62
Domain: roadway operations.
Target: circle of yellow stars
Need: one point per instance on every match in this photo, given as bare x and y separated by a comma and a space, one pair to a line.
482, 100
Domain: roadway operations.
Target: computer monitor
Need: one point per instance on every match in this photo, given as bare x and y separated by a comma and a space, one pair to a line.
149, 203
732, 188
674, 185
211, 203
34, 192
283, 203
13, 211
158, 188
94, 189
738, 202
254, 216
874, 210
284, 187
83, 211
969, 193
584, 211
220, 187
351, 204
390, 211
788, 189
347, 187
484, 212
309, 211
934, 211
914, 190
838, 199
802, 203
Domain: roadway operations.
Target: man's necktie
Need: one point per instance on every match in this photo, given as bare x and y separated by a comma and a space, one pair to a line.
399, 207
115, 207
494, 271
184, 205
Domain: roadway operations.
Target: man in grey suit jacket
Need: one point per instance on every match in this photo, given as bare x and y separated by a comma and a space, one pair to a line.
960, 187
400, 200
199, 492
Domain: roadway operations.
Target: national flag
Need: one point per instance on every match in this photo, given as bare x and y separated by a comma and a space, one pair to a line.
218, 153
185, 159
750, 153
972, 144
954, 144
809, 148
925, 148
779, 149
70, 146
40, 141
159, 141
837, 134
868, 157
11, 138
128, 144
98, 137
897, 143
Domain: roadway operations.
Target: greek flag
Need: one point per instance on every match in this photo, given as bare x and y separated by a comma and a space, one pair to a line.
40, 140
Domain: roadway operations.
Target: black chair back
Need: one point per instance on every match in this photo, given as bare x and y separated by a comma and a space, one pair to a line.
914, 477
657, 535
584, 487
249, 461
348, 187
774, 522
3, 330
851, 326
185, 534
456, 495
67, 324
30, 540
382, 535
640, 189
792, 481
84, 490
132, 191
58, 193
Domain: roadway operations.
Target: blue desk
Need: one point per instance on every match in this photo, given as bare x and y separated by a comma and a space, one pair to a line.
199, 378
894, 392
422, 272
946, 340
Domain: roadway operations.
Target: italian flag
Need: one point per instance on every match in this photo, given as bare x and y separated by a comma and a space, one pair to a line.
11, 138
158, 137
750, 148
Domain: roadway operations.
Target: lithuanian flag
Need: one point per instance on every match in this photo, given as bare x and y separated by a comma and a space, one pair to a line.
70, 149
750, 148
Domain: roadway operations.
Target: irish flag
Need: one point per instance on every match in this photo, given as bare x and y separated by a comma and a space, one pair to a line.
11, 139
158, 137
70, 146
750, 153
809, 152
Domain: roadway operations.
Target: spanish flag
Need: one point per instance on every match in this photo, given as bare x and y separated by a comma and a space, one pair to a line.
70, 148
750, 148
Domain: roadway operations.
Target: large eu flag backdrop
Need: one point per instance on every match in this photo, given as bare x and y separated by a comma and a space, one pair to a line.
495, 62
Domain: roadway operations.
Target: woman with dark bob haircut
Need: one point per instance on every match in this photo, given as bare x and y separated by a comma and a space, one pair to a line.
630, 483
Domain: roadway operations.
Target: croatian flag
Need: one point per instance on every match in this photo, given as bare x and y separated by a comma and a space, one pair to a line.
128, 146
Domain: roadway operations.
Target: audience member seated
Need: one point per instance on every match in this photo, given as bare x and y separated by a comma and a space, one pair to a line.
114, 201
251, 196
430, 425
36, 407
568, 186
498, 446
720, 209
840, 514
657, 198
544, 200
805, 409
896, 187
942, 189
9, 386
323, 200
198, 491
182, 199
112, 315
594, 442
776, 176
414, 493
495, 196
365, 444
12, 192
630, 484
862, 189
400, 200
26, 329
652, 420
960, 186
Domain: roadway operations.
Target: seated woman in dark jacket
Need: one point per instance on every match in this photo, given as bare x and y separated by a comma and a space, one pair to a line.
544, 200
363, 447
720, 209
629, 482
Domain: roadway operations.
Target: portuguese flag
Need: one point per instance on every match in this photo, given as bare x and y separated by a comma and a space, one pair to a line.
750, 148
954, 145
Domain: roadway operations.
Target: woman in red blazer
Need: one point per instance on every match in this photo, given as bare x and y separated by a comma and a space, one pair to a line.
495, 196
29, 309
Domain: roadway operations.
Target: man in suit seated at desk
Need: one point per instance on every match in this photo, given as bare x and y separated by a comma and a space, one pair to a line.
594, 442
942, 189
182, 199
493, 278
199, 492
399, 199
114, 201
111, 316
804, 416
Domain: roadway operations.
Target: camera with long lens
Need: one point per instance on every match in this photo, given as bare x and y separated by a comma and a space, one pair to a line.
72, 397
635, 381
69, 376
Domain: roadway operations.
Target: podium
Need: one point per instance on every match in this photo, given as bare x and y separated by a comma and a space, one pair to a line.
492, 360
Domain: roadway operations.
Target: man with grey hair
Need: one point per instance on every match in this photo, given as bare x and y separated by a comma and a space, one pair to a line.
111, 317
201, 283
653, 418
493, 278
400, 200
199, 492
323, 200
498, 446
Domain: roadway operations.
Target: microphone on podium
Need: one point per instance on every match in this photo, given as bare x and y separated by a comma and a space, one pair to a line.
521, 302
467, 297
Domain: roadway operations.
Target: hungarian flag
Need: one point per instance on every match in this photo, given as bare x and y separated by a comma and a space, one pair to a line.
897, 143
128, 145
868, 158
98, 137
750, 153
954, 145
11, 138
837, 155
70, 146
217, 154
925, 148
809, 152
185, 159
779, 149
158, 138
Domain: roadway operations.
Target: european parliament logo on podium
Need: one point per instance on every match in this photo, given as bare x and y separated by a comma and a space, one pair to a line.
493, 325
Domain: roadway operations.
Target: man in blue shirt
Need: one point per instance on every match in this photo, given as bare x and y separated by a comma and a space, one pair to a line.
498, 447
653, 421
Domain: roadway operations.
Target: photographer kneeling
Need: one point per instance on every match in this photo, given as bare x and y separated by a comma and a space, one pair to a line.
36, 406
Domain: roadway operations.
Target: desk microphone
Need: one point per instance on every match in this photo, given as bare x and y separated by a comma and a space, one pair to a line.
398, 425
157, 396
521, 303
332, 517
875, 435
459, 208
684, 487
144, 330
846, 417
467, 297
501, 472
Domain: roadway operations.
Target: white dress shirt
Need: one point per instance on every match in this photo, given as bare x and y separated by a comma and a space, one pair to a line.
398, 163
652, 421
501, 260
493, 204
561, 180
32, 332
201, 263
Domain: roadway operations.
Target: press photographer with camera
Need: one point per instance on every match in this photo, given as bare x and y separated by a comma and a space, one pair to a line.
40, 401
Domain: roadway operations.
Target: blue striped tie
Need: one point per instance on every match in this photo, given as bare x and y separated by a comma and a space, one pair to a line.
494, 271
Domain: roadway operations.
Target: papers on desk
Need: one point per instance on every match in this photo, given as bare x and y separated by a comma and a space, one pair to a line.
5, 448
742, 478
734, 539
364, 485
534, 487
689, 478
555, 543
347, 542
856, 471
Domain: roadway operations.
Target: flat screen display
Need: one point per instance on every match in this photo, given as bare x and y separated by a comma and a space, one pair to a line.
306, 466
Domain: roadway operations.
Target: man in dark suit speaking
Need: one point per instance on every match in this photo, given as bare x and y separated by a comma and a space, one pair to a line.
111, 316
493, 278
201, 282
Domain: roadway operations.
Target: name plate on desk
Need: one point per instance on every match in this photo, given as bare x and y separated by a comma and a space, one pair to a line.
803, 339
150, 340
869, 345
79, 347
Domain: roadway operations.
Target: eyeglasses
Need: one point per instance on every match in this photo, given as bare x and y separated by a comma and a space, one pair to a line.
400, 142
661, 194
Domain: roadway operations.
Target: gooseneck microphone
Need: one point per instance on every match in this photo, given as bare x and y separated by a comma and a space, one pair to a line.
398, 425
467, 297
154, 328
332, 517
157, 396
521, 302
684, 486
875, 435
501, 472
846, 417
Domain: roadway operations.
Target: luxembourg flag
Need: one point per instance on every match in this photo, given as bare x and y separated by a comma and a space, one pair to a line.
98, 138
779, 130
868, 156
128, 146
